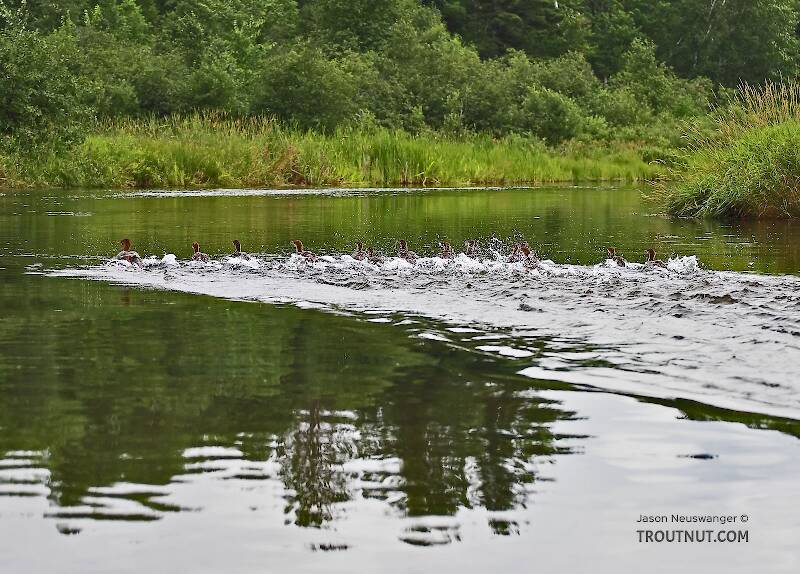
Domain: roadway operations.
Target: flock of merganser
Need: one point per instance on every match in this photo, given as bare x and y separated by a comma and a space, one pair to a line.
520, 253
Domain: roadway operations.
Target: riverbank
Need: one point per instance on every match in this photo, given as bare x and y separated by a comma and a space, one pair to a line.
747, 167
206, 151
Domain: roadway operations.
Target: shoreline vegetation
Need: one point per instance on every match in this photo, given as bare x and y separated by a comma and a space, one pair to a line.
255, 93
210, 150
748, 166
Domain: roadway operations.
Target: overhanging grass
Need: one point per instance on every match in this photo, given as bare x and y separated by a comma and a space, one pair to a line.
749, 167
211, 151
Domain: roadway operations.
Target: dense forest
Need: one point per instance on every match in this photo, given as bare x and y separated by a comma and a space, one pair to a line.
116, 83
554, 69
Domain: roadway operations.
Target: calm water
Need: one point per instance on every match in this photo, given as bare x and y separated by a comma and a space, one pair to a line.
336, 417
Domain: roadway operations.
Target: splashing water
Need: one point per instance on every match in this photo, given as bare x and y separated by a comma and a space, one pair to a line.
727, 339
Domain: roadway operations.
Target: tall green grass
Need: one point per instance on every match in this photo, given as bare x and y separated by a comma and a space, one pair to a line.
749, 166
214, 151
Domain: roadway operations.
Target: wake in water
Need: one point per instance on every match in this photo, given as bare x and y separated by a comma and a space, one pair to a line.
726, 339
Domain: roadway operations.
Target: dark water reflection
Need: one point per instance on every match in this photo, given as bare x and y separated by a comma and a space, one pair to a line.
113, 400
123, 383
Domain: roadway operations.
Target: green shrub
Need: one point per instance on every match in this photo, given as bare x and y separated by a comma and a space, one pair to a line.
42, 98
654, 83
301, 85
550, 115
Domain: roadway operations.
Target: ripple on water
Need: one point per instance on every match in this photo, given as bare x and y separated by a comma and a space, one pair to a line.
651, 331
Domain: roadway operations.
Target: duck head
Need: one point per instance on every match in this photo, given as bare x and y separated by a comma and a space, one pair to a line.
612, 252
298, 245
403, 245
126, 244
196, 247
360, 245
651, 254
237, 245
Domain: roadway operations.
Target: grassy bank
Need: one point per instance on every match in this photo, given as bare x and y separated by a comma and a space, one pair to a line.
748, 167
209, 151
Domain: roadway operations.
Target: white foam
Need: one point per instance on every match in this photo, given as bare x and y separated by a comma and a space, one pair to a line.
728, 339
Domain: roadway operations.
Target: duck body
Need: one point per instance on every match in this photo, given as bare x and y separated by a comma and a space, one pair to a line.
471, 248
198, 255
446, 250
529, 258
517, 254
359, 254
404, 253
299, 250
651, 259
238, 253
618, 259
373, 257
126, 254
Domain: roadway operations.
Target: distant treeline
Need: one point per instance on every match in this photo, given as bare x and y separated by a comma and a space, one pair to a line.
553, 70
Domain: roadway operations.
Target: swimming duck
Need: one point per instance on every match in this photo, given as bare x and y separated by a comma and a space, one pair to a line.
127, 255
651, 259
373, 257
404, 253
516, 254
618, 259
198, 256
359, 254
528, 257
471, 248
446, 251
238, 251
308, 255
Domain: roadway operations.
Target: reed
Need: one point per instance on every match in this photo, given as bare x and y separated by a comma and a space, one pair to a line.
748, 166
212, 150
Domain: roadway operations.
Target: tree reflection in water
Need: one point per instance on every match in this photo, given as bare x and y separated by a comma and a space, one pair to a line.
358, 409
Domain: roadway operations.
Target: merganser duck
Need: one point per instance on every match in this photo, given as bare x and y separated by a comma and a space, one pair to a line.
446, 250
373, 258
198, 256
359, 254
528, 257
516, 254
471, 248
308, 255
127, 255
618, 259
404, 253
651, 259
239, 253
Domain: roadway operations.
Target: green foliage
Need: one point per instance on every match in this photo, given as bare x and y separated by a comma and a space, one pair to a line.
541, 28
550, 115
356, 25
748, 165
652, 82
729, 42
212, 150
41, 95
302, 86
572, 72
428, 66
613, 30
122, 18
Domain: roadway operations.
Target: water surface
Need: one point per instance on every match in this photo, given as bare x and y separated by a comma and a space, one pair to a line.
337, 416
